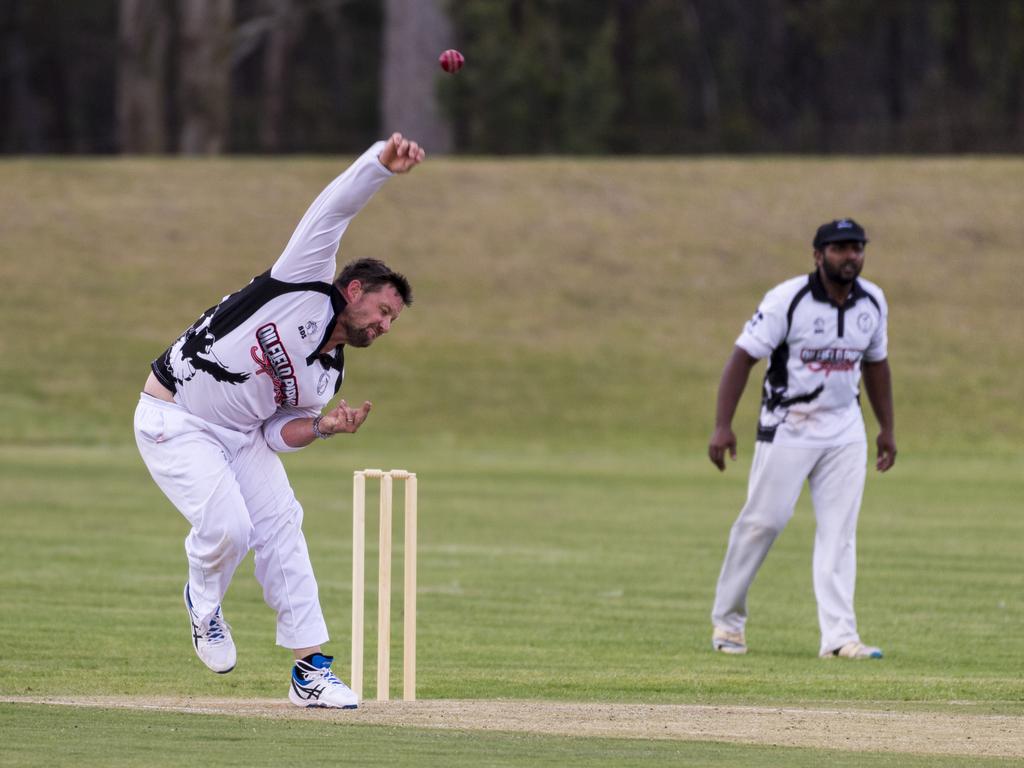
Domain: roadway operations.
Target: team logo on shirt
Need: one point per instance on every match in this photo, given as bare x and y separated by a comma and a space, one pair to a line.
865, 322
819, 325
830, 360
193, 351
309, 329
272, 359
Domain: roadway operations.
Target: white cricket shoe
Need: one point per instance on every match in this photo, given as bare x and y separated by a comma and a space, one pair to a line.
212, 639
728, 642
314, 685
854, 650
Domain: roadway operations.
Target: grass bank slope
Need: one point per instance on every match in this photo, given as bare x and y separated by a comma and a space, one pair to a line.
565, 305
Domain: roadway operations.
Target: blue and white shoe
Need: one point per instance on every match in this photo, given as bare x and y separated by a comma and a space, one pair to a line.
212, 639
314, 685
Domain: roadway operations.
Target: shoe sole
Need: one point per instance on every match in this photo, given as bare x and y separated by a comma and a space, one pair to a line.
853, 658
304, 705
729, 650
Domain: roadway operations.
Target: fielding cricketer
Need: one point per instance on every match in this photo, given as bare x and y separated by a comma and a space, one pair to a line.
820, 333
248, 380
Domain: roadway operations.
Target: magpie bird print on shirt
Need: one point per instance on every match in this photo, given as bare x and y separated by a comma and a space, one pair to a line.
193, 351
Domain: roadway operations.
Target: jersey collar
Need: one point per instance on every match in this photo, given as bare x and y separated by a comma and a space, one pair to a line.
819, 293
326, 359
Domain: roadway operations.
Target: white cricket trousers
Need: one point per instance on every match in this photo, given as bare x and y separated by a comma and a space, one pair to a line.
233, 490
836, 478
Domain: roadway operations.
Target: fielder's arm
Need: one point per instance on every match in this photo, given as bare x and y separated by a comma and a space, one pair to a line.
878, 384
730, 389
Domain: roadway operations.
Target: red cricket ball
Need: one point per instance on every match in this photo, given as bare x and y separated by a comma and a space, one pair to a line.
451, 60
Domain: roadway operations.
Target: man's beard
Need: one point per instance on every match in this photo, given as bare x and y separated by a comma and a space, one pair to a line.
358, 337
836, 275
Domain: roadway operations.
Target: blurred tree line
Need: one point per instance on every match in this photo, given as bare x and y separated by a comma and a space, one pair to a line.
542, 76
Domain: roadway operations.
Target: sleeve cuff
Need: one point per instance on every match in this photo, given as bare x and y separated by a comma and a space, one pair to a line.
752, 347
374, 151
273, 426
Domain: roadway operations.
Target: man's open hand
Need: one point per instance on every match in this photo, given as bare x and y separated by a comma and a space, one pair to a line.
342, 418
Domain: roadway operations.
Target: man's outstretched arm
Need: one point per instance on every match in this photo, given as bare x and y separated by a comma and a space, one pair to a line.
310, 255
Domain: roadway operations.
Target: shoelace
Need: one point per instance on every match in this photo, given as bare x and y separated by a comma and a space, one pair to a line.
329, 677
217, 631
311, 673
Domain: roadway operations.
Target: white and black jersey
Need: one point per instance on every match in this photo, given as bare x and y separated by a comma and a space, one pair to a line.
252, 361
814, 349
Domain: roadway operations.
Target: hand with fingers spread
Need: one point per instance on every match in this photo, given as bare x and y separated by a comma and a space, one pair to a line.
401, 155
343, 418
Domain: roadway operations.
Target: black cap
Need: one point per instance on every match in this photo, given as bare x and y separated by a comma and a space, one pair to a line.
839, 231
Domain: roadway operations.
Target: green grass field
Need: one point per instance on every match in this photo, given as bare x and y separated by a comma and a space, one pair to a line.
553, 387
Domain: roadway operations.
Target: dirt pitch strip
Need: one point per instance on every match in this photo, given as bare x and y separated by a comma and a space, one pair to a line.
923, 733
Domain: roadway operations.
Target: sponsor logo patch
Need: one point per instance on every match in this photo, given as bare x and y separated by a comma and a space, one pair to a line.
830, 360
272, 359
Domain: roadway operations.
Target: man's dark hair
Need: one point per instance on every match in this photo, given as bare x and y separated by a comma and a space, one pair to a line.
373, 274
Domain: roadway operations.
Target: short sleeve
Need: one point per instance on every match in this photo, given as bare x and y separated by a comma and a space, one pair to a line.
767, 329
